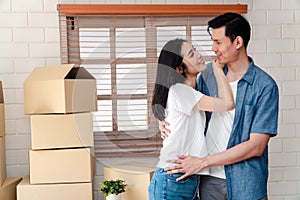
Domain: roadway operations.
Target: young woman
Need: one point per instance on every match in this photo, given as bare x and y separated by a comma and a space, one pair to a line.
175, 100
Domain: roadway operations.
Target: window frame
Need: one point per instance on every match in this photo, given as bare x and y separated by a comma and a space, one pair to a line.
151, 9
149, 13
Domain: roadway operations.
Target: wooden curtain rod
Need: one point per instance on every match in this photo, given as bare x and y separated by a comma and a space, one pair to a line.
150, 9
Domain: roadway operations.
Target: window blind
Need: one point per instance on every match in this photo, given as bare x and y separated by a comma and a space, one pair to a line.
121, 51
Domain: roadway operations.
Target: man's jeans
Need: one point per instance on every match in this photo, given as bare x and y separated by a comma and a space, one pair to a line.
212, 188
164, 186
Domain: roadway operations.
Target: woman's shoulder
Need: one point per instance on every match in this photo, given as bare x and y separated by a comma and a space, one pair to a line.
183, 91
181, 87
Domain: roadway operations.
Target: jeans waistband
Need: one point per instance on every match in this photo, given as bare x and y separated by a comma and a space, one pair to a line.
163, 171
160, 170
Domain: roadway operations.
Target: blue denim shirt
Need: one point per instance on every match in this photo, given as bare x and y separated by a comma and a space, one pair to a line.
256, 111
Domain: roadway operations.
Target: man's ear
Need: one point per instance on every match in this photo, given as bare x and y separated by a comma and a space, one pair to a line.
239, 42
179, 69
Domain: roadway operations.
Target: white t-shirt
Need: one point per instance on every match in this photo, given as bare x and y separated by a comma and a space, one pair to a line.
218, 132
186, 125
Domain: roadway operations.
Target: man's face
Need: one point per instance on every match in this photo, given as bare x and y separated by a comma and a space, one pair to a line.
224, 49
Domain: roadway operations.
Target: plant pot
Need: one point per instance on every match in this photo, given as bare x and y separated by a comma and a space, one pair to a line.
113, 197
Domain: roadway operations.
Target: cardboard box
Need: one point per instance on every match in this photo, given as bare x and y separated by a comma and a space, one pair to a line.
61, 166
62, 131
74, 191
60, 89
8, 189
2, 116
137, 175
2, 161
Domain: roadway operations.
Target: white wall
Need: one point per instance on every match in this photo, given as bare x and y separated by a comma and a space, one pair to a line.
29, 37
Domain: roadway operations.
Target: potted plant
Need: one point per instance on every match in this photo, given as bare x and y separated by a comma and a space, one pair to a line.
112, 189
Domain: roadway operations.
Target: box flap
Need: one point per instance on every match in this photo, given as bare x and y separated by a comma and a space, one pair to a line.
1, 93
49, 73
79, 73
24, 182
11, 180
2, 161
8, 189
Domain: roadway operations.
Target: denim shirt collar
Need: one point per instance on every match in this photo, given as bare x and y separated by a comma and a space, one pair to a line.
249, 75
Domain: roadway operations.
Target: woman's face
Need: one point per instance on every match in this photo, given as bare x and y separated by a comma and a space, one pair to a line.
192, 59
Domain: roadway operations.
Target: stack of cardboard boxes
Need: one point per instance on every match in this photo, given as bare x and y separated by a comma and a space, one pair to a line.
7, 185
60, 100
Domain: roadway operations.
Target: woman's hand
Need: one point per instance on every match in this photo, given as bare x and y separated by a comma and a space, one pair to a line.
217, 65
164, 132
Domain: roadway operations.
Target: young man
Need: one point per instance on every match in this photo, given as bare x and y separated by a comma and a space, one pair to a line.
237, 140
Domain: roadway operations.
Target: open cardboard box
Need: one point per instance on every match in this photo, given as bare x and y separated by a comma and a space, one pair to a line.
60, 89
2, 117
2, 161
8, 189
62, 131
74, 191
136, 174
61, 166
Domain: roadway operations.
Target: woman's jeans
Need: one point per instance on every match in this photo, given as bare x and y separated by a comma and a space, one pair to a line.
164, 186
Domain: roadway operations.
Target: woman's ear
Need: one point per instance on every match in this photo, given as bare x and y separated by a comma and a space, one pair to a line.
179, 69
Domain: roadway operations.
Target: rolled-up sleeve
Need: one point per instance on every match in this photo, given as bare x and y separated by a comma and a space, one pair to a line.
265, 119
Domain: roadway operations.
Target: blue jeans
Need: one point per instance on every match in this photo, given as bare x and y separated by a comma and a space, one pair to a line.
164, 186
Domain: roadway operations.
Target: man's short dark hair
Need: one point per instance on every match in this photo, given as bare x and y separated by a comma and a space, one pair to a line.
235, 25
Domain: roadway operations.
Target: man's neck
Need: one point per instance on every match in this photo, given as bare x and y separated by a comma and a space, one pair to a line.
237, 68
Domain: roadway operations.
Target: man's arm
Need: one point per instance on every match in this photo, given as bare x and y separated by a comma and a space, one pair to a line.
189, 165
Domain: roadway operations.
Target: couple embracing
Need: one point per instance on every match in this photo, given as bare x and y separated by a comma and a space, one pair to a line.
216, 126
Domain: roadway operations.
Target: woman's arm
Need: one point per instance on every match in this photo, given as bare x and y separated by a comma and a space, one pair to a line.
225, 100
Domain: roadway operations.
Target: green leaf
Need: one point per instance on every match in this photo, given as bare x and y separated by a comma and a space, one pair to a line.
112, 186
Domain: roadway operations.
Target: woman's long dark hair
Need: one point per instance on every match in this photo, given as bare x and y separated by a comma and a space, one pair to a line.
169, 59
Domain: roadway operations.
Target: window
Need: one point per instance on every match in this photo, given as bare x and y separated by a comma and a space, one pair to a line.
119, 45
